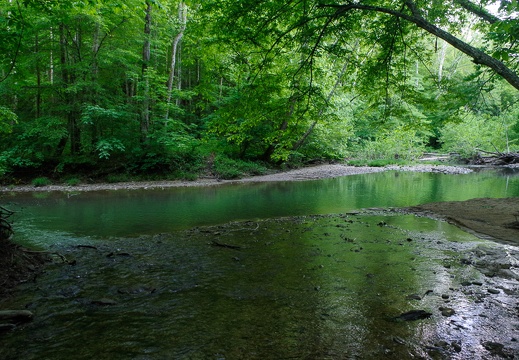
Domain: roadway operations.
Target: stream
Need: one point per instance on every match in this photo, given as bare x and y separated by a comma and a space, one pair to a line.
294, 270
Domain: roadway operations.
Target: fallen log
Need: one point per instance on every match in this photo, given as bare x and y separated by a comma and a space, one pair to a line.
497, 158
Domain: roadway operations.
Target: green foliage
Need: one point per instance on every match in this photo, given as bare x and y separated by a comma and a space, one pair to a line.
265, 81
227, 168
106, 147
4, 167
73, 181
41, 181
7, 120
479, 132
185, 175
117, 178
399, 143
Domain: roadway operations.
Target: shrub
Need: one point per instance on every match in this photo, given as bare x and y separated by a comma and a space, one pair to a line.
115, 178
227, 168
41, 181
72, 182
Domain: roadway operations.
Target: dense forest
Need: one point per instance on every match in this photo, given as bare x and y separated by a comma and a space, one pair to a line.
112, 89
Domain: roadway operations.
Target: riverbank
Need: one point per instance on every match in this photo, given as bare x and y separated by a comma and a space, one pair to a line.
302, 174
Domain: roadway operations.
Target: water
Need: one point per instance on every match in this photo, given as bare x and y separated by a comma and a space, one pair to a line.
282, 284
137, 212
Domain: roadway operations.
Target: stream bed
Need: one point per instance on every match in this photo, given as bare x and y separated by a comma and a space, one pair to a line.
351, 286
244, 272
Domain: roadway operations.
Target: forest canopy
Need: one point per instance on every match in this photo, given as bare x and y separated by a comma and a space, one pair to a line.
178, 88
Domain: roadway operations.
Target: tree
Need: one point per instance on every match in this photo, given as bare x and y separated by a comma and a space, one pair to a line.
386, 42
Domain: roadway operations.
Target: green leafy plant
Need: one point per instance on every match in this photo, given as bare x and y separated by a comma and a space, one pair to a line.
41, 181
106, 147
227, 168
72, 181
115, 178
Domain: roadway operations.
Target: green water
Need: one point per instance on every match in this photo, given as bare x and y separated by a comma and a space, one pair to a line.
137, 212
281, 285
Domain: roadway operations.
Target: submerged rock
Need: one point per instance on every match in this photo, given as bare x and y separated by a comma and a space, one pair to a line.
447, 311
104, 302
16, 315
413, 297
413, 315
7, 327
497, 349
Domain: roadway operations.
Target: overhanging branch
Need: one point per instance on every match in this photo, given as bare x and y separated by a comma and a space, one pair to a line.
415, 17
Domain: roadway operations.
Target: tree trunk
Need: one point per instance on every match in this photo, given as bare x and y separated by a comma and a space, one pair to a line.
146, 56
38, 78
182, 16
441, 60
303, 138
64, 79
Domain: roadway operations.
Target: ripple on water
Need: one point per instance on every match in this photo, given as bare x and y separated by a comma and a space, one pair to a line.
305, 287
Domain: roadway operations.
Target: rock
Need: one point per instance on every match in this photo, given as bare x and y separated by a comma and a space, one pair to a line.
447, 311
413, 297
399, 340
493, 291
495, 348
16, 315
445, 296
413, 315
104, 302
456, 346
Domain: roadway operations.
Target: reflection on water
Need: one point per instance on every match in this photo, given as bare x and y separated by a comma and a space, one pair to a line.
306, 288
137, 212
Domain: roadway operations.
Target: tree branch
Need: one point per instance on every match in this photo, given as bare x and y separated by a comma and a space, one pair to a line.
478, 56
477, 10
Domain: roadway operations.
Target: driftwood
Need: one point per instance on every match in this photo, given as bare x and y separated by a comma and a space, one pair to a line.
496, 158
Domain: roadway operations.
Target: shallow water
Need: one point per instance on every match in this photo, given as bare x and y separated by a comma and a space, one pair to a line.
303, 287
44, 218
308, 287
